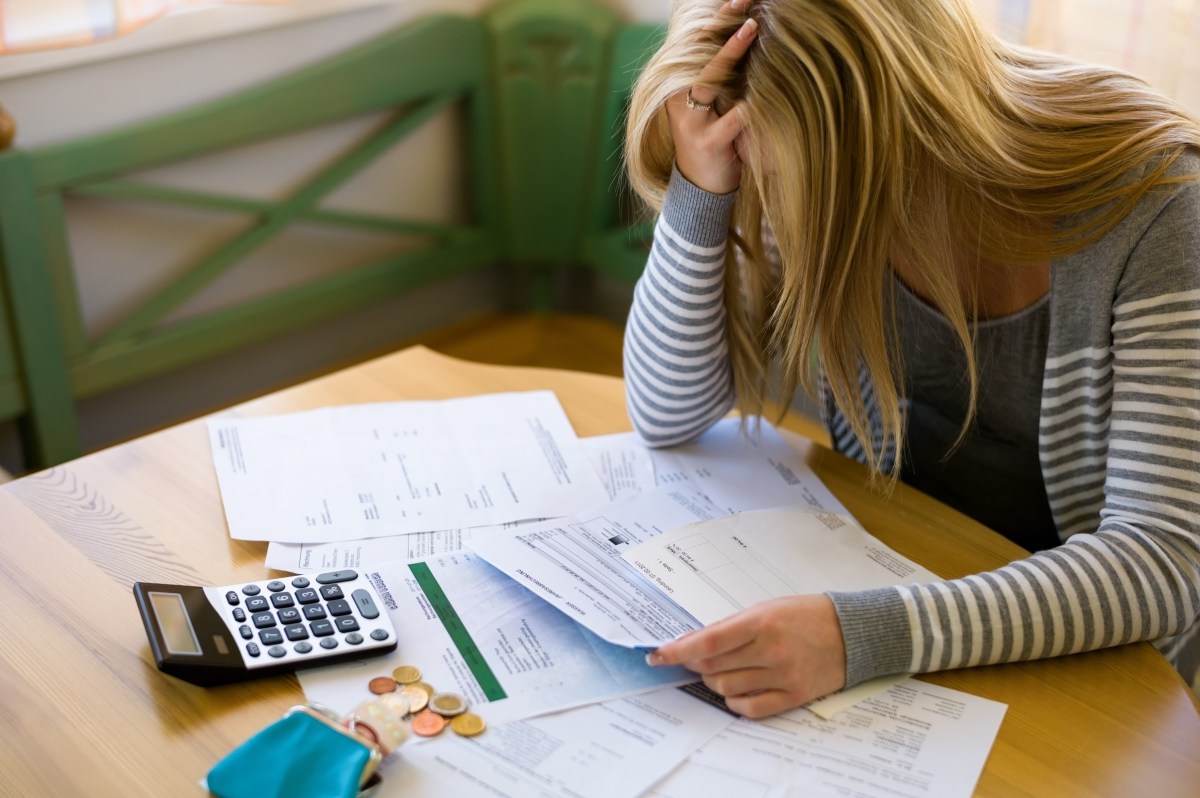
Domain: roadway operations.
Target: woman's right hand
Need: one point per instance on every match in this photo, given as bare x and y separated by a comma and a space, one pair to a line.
707, 143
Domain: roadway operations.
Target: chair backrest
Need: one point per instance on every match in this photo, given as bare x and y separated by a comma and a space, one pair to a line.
543, 84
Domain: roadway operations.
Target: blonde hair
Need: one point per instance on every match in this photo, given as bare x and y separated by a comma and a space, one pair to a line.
894, 130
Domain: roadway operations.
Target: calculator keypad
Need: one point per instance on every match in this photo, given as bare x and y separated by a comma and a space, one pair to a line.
284, 618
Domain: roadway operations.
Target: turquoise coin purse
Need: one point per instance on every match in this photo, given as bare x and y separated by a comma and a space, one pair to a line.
304, 754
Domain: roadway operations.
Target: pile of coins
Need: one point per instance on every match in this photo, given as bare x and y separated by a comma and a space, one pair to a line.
429, 711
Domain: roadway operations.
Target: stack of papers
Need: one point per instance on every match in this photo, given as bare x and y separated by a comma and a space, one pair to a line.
529, 570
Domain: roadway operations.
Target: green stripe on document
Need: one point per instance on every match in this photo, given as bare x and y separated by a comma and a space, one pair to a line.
458, 633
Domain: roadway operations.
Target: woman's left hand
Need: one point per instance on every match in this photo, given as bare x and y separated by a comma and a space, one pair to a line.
769, 658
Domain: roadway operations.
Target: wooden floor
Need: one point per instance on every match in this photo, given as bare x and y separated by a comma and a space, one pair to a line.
580, 343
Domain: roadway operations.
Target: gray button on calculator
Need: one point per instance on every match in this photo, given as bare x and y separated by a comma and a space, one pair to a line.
366, 604
329, 577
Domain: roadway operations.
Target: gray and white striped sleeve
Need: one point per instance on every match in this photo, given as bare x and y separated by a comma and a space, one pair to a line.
1121, 425
676, 360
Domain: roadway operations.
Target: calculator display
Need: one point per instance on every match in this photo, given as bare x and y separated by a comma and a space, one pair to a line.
175, 623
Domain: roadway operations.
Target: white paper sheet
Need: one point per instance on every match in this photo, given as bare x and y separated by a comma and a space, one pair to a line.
623, 463
473, 631
616, 749
372, 552
739, 472
363, 471
577, 566
915, 740
718, 567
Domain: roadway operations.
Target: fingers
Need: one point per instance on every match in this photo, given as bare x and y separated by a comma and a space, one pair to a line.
702, 647
718, 70
761, 705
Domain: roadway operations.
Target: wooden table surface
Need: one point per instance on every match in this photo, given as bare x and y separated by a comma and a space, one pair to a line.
86, 713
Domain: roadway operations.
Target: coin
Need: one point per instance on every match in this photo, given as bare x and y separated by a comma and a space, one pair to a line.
448, 704
382, 684
417, 698
428, 688
407, 674
467, 724
365, 731
427, 724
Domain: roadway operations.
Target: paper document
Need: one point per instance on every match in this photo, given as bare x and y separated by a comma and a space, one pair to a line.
718, 567
577, 567
363, 471
915, 740
371, 552
746, 472
621, 461
473, 631
616, 749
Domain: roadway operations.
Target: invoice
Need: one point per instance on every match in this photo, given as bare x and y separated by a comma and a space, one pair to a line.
474, 631
361, 471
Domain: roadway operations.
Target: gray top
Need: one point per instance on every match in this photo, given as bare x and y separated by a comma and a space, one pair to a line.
1118, 442
993, 475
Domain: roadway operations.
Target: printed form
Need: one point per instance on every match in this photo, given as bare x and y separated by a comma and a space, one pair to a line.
716, 568
622, 463
576, 564
474, 631
625, 468
914, 740
615, 749
363, 471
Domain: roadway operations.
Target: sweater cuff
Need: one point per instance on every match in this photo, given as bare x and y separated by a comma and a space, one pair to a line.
696, 215
876, 633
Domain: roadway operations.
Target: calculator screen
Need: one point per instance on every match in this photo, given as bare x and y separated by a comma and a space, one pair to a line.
175, 623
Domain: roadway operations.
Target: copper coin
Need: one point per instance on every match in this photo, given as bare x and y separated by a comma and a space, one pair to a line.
407, 674
417, 698
448, 704
365, 731
428, 724
467, 724
382, 684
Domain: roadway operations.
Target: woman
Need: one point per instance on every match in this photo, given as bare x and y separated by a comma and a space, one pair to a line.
994, 257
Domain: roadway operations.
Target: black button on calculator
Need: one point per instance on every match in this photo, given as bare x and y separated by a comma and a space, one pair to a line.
194, 635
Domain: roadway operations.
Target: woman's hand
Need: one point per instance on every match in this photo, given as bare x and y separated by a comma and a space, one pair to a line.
769, 658
707, 143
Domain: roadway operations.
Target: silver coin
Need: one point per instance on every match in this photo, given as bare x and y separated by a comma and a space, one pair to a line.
448, 704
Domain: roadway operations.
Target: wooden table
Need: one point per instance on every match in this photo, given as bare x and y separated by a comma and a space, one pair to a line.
85, 712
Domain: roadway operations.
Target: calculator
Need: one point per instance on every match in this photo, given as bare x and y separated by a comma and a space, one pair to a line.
214, 635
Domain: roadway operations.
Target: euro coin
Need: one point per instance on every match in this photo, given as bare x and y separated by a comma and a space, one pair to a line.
428, 688
407, 674
468, 724
448, 704
417, 698
382, 684
427, 724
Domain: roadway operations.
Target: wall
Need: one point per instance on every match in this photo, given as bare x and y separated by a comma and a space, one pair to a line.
118, 249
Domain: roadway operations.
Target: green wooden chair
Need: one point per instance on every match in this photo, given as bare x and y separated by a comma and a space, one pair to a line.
544, 84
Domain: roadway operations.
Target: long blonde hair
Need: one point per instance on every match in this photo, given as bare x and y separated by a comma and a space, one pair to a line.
893, 130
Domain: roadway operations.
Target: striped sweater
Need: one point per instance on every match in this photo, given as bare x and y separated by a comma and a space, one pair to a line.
1119, 443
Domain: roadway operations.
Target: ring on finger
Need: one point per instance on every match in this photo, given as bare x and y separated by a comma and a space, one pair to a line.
697, 106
